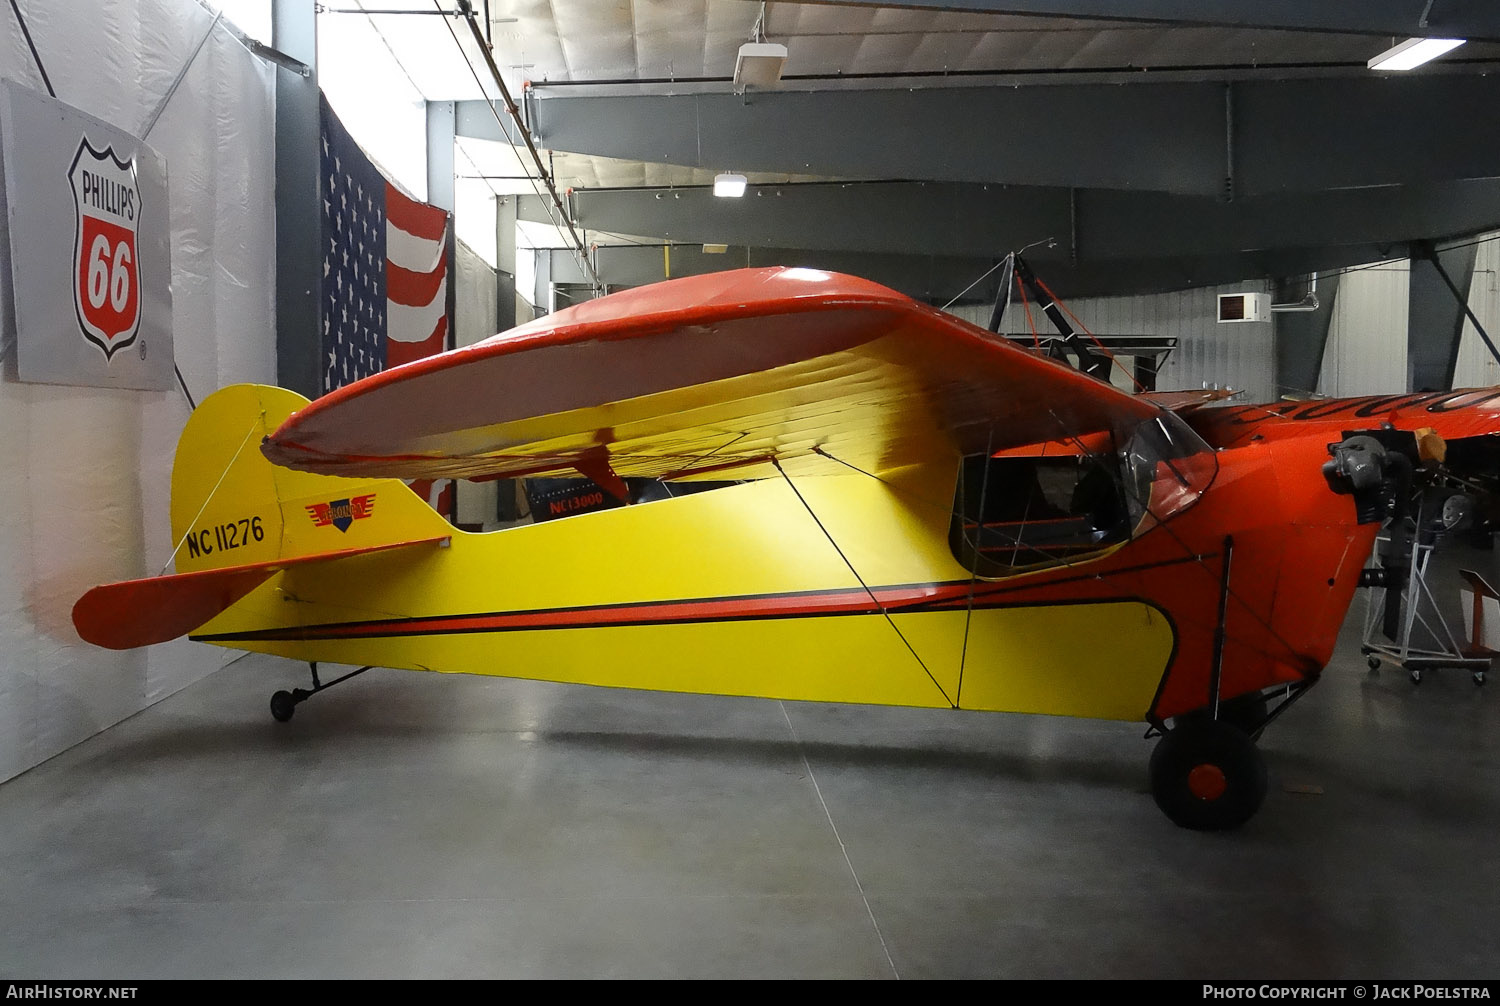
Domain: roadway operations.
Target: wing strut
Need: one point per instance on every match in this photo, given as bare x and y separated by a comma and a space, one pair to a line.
892, 622
594, 464
984, 488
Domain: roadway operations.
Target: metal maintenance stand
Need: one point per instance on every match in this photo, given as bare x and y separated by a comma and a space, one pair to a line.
1419, 608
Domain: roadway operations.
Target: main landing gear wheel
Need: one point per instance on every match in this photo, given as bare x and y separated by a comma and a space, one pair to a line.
1207, 775
283, 705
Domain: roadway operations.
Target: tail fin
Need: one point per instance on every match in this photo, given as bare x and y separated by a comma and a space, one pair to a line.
237, 520
230, 506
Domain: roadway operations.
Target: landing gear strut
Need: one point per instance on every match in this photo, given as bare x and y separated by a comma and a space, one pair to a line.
284, 703
1206, 772
1248, 712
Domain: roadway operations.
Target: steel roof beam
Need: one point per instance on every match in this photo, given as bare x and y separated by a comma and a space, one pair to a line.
1449, 18
1193, 138
939, 279
1088, 226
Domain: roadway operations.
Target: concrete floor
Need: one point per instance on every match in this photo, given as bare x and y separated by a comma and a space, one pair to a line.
408, 825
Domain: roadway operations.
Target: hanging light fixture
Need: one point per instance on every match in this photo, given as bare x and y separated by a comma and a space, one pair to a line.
1414, 52
759, 62
729, 184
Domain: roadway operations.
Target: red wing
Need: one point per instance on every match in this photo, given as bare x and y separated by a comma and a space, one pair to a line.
706, 375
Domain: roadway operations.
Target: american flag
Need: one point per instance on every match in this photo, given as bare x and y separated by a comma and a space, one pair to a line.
386, 298
385, 266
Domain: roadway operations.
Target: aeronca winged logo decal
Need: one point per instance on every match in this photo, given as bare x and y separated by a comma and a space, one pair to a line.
342, 513
106, 270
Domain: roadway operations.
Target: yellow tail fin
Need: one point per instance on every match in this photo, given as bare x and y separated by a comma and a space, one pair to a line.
232, 507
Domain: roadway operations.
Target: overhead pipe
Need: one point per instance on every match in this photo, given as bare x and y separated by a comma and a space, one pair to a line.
466, 8
1307, 303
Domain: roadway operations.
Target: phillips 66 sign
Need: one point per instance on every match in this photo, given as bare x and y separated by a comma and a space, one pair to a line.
106, 274
90, 250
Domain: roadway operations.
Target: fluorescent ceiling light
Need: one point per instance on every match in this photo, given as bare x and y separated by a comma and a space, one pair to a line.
758, 65
1413, 52
729, 184
713, 249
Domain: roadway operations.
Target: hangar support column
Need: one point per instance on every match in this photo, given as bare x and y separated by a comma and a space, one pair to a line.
441, 188
440, 154
294, 27
1435, 314
1300, 338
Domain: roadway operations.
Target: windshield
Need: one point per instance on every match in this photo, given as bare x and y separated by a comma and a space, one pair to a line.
1167, 466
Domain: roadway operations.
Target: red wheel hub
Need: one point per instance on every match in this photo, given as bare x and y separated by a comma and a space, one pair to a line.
1207, 781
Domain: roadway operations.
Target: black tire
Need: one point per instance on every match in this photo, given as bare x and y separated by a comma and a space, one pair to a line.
1248, 712
282, 706
1207, 775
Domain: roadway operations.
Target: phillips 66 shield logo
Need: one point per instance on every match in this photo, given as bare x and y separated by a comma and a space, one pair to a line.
106, 269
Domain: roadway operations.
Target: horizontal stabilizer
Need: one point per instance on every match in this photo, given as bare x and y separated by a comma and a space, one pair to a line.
121, 616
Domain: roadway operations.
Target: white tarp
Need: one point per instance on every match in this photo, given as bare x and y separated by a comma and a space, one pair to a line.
475, 297
84, 472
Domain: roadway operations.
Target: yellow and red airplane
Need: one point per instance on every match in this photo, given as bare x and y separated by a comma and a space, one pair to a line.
909, 511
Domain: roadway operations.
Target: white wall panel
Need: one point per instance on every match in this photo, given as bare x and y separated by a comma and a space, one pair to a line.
1476, 366
1366, 349
85, 495
1239, 356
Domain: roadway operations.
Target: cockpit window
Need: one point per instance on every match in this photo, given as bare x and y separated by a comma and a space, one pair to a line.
1021, 510
1017, 512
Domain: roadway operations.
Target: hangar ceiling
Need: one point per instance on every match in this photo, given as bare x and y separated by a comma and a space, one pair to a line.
1156, 143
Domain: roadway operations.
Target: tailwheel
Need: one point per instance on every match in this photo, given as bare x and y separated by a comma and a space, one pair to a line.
1207, 775
283, 705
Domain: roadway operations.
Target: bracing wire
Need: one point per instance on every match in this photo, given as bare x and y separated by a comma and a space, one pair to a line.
35, 56
209, 498
873, 599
